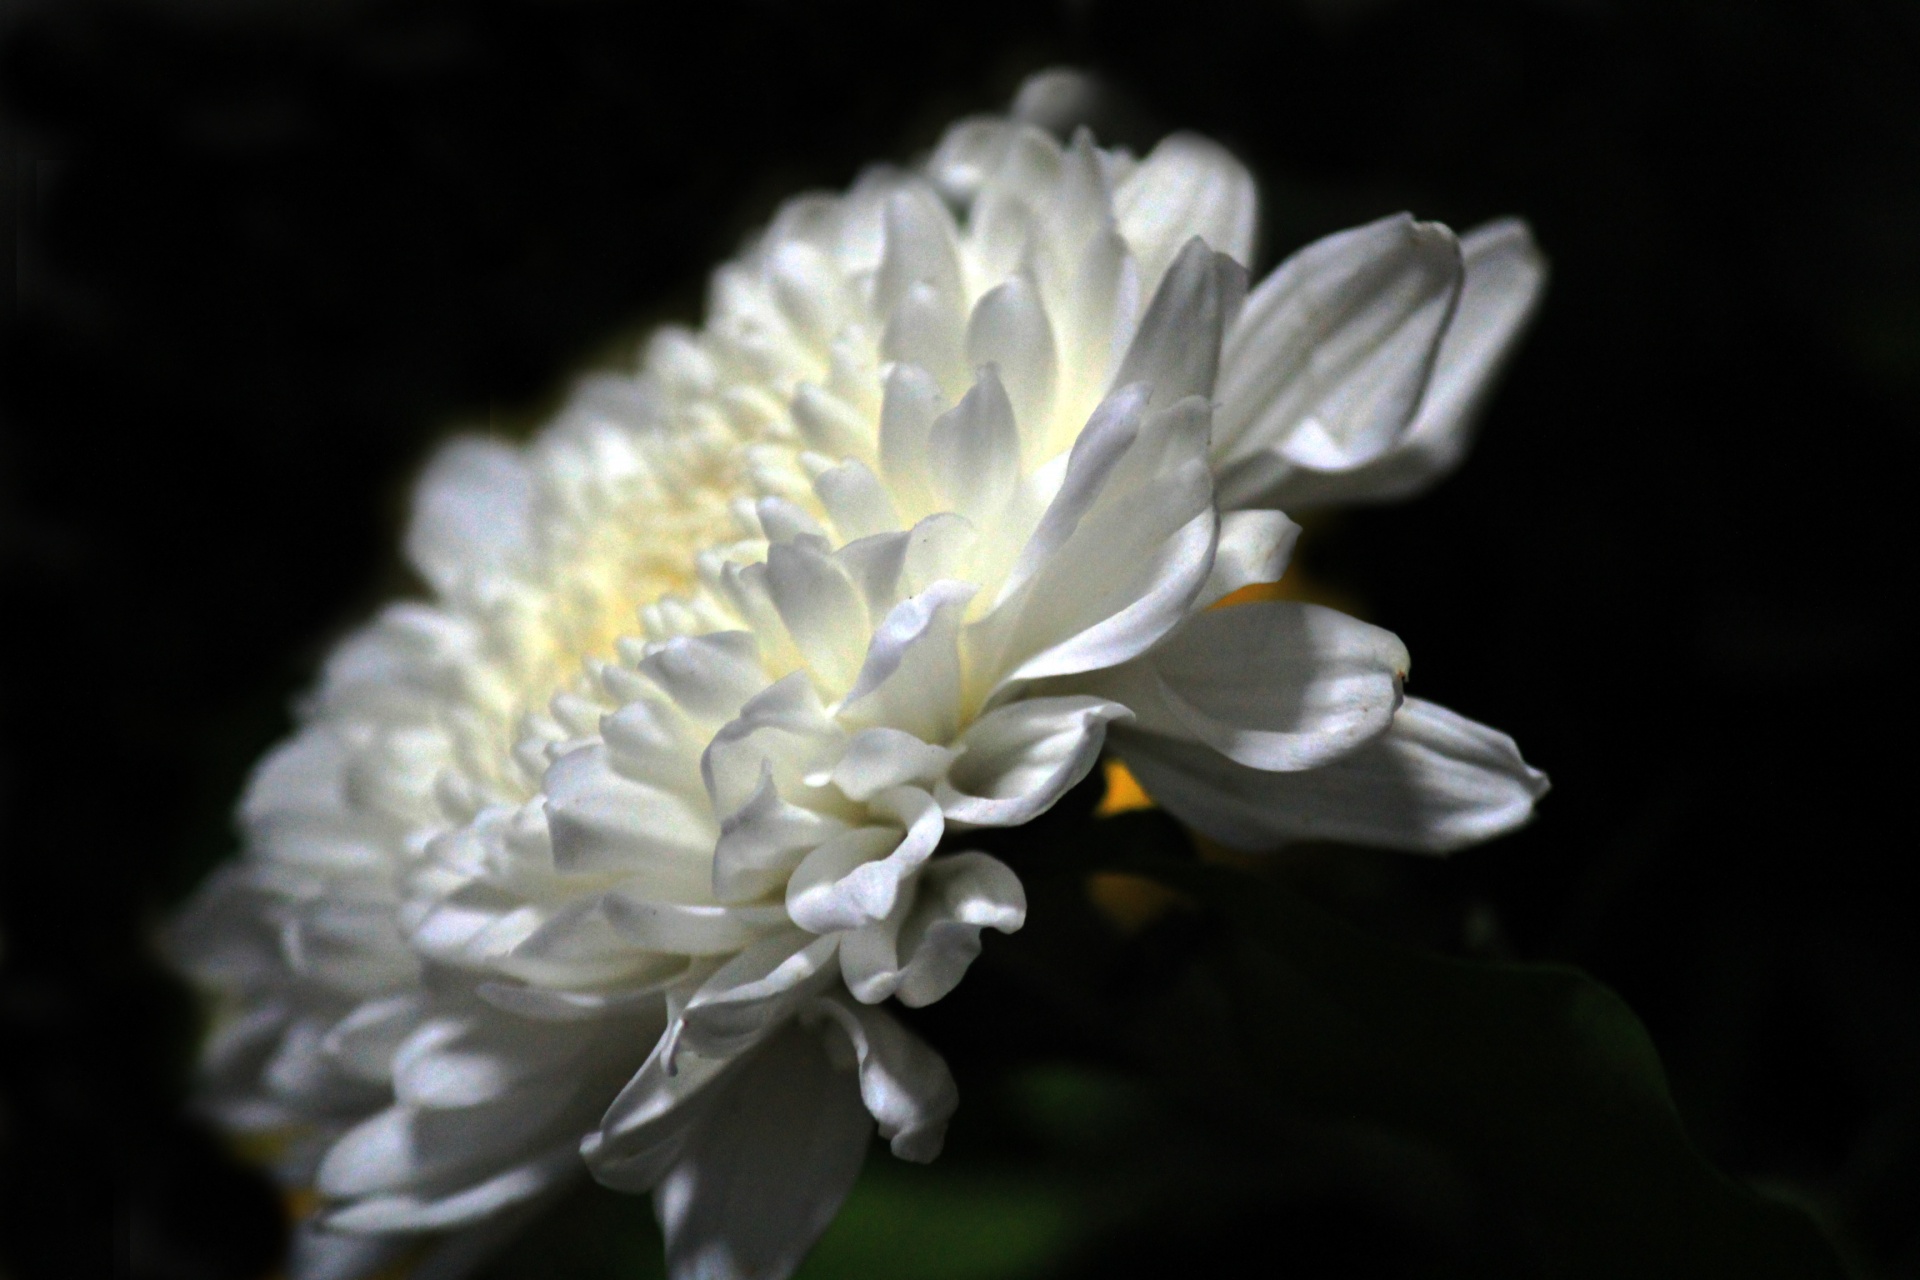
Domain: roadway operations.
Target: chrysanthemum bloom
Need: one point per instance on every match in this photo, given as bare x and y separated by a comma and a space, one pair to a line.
617, 847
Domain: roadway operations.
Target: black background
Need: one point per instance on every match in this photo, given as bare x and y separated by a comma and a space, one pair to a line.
266, 254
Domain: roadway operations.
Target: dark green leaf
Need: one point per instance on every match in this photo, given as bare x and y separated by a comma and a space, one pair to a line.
1533, 1091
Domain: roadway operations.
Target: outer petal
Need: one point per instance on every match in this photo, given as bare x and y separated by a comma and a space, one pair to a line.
1327, 365
1506, 274
1276, 685
1177, 350
1433, 783
765, 1170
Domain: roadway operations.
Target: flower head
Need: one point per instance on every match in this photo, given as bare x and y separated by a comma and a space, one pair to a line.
617, 845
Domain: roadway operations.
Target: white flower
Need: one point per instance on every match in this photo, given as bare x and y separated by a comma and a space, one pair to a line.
617, 847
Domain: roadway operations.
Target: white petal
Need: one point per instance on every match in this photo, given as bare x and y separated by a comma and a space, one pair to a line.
876, 759
968, 154
1187, 186
763, 840
684, 928
1327, 365
1097, 452
1009, 329
1017, 760
1058, 100
755, 990
920, 250
1279, 684
817, 901
601, 821
464, 1061
644, 1128
824, 612
877, 566
543, 1005
856, 501
468, 1205
708, 676
650, 740
973, 451
766, 1168
828, 424
910, 403
783, 727
911, 679
1176, 350
471, 512
1505, 277
847, 883
404, 1148
315, 1253
1254, 547
959, 895
905, 1085
364, 1041
1433, 783
1128, 572
927, 330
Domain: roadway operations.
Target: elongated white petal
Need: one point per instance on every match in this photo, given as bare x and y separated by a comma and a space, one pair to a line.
1329, 361
476, 1203
1506, 275
1176, 350
1126, 573
758, 1181
364, 1041
854, 880
1433, 783
879, 758
1276, 685
316, 1253
600, 821
407, 1147
644, 1128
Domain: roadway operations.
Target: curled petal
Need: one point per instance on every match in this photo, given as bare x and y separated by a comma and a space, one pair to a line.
959, 895
905, 1085
1017, 760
